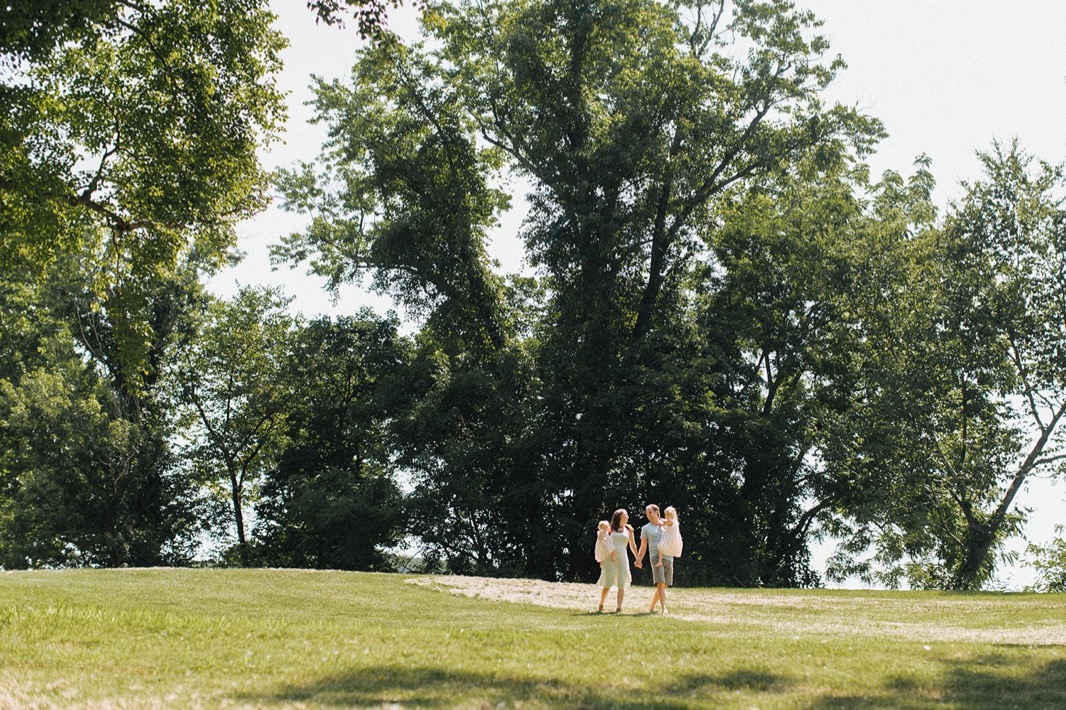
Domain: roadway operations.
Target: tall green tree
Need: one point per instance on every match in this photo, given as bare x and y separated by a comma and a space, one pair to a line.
110, 493
778, 336
405, 193
80, 484
976, 375
332, 499
868, 442
127, 154
471, 444
231, 379
630, 119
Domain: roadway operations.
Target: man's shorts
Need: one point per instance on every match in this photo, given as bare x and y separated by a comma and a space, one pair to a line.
664, 574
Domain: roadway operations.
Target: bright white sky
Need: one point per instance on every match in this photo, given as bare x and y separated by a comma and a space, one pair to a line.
946, 78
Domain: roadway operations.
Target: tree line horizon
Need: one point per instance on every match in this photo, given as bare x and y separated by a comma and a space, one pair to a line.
727, 313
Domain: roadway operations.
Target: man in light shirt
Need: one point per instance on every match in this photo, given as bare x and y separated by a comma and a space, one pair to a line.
663, 576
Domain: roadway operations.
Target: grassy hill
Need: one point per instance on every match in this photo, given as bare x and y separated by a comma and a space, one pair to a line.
283, 638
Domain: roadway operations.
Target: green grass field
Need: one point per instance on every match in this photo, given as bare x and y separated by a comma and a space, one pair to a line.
280, 638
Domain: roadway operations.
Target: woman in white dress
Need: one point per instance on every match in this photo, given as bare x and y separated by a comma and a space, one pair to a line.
614, 570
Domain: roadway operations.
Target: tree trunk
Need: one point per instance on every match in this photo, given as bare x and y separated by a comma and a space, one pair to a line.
238, 518
982, 536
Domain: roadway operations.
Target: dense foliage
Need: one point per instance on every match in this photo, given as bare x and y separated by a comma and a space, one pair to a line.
726, 312
128, 151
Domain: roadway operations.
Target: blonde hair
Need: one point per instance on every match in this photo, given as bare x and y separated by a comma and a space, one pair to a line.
670, 512
603, 525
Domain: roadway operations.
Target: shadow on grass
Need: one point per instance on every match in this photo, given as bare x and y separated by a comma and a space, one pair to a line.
433, 688
989, 682
702, 685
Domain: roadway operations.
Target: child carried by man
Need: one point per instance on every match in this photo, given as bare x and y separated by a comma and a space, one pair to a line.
670, 544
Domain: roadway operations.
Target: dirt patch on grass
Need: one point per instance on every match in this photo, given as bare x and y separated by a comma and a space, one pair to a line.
806, 613
524, 591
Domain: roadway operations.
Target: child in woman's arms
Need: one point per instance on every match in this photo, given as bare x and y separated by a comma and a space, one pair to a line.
604, 543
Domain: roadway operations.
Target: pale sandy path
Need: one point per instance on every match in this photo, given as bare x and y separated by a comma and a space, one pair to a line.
795, 613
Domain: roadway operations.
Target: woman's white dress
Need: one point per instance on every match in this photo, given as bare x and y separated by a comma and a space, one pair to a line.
616, 573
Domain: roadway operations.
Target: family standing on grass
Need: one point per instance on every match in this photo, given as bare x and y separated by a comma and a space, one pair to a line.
660, 539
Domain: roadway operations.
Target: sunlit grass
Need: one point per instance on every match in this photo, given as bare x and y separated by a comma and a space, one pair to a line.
276, 638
